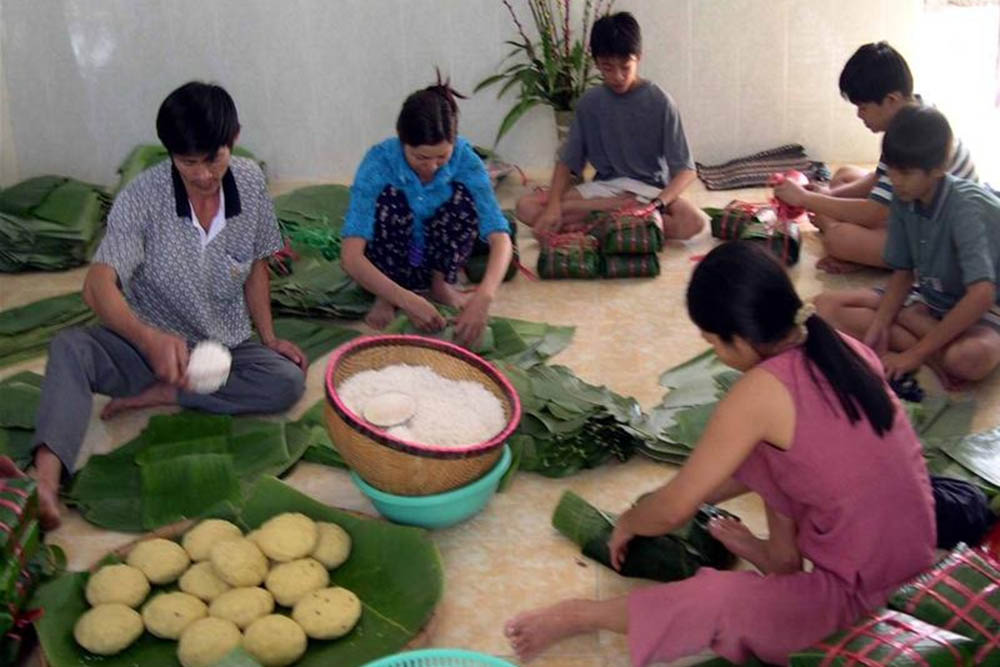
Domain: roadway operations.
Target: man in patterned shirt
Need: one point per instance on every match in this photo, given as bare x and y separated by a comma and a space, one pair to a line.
184, 260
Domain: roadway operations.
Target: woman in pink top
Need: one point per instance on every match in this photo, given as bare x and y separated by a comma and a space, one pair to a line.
811, 427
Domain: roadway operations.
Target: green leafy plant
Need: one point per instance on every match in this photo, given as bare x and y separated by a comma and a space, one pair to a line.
556, 69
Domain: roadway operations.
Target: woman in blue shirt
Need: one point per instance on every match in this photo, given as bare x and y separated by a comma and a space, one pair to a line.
417, 204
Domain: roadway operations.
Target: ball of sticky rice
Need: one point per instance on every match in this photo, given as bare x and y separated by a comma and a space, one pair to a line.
201, 581
162, 561
167, 614
117, 583
207, 641
275, 640
199, 540
242, 606
333, 545
239, 563
108, 628
288, 582
328, 613
287, 536
208, 367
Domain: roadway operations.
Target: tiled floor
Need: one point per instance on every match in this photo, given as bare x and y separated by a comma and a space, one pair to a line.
509, 558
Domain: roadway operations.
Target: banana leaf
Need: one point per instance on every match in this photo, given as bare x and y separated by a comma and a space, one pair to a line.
314, 337
318, 288
671, 557
19, 395
398, 595
26, 331
320, 449
577, 261
630, 266
312, 217
144, 156
116, 491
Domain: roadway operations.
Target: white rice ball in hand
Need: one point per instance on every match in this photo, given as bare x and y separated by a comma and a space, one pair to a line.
208, 367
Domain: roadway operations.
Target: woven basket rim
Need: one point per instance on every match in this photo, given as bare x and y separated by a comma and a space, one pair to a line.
383, 437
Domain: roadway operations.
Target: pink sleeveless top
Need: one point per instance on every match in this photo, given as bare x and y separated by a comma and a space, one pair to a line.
862, 504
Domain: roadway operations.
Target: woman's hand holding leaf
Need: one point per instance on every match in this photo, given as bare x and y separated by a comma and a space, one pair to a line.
618, 543
423, 314
471, 322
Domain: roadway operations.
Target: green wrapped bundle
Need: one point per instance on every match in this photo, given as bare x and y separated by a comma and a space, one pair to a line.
475, 268
892, 639
13, 565
50, 223
961, 594
18, 509
572, 255
144, 156
667, 558
630, 266
759, 223
625, 234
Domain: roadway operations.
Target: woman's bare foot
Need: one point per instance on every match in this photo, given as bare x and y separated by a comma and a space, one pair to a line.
833, 265
447, 295
534, 631
738, 539
381, 314
160, 393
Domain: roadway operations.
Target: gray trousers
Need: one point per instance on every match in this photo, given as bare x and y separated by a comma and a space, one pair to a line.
84, 362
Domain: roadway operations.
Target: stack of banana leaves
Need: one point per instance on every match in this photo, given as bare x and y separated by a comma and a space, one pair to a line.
26, 331
19, 396
144, 156
671, 429
50, 223
312, 217
306, 284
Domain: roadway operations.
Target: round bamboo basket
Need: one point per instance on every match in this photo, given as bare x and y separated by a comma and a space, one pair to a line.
399, 466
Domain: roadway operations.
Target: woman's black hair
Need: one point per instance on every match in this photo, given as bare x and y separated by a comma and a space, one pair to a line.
918, 137
740, 289
429, 116
197, 118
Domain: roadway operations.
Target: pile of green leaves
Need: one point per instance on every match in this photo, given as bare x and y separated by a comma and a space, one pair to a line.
316, 287
26, 332
314, 337
144, 156
398, 594
311, 218
568, 425
19, 396
182, 466
50, 223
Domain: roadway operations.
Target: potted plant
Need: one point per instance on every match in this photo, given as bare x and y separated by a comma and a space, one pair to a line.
553, 71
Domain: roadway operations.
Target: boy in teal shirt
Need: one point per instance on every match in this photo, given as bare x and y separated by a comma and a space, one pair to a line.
940, 306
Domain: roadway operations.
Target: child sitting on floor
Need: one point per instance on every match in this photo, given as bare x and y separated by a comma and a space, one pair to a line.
418, 202
944, 233
631, 131
852, 212
810, 417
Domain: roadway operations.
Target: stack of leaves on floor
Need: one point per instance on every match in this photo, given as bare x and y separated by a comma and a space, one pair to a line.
312, 218
671, 557
628, 244
183, 466
26, 331
961, 593
758, 223
50, 223
889, 638
24, 561
19, 396
306, 284
144, 156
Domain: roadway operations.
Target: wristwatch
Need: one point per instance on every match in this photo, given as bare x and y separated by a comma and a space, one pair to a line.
659, 204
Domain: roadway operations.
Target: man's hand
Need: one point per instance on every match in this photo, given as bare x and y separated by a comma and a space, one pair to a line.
877, 338
167, 353
819, 188
549, 222
471, 322
287, 348
791, 193
638, 209
423, 314
898, 364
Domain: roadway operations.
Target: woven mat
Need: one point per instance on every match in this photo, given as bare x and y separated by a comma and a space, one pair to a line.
754, 170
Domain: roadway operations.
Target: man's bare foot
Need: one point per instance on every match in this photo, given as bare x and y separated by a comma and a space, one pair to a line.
160, 393
833, 265
48, 506
48, 471
532, 632
447, 295
381, 314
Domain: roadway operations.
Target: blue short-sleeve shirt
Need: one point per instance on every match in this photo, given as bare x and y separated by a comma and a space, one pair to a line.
385, 165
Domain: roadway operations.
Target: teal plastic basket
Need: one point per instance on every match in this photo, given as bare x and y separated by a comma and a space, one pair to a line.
440, 657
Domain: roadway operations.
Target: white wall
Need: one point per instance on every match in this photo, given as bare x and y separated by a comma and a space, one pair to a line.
8, 159
318, 81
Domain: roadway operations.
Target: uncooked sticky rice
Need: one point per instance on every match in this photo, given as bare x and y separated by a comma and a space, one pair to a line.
448, 412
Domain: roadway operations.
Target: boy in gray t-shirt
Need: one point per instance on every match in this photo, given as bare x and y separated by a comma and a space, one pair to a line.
940, 306
630, 130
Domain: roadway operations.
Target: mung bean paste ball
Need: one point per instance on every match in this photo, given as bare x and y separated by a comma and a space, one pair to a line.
108, 628
117, 583
162, 561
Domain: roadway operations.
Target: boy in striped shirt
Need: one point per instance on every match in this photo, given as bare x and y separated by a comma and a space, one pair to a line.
852, 212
